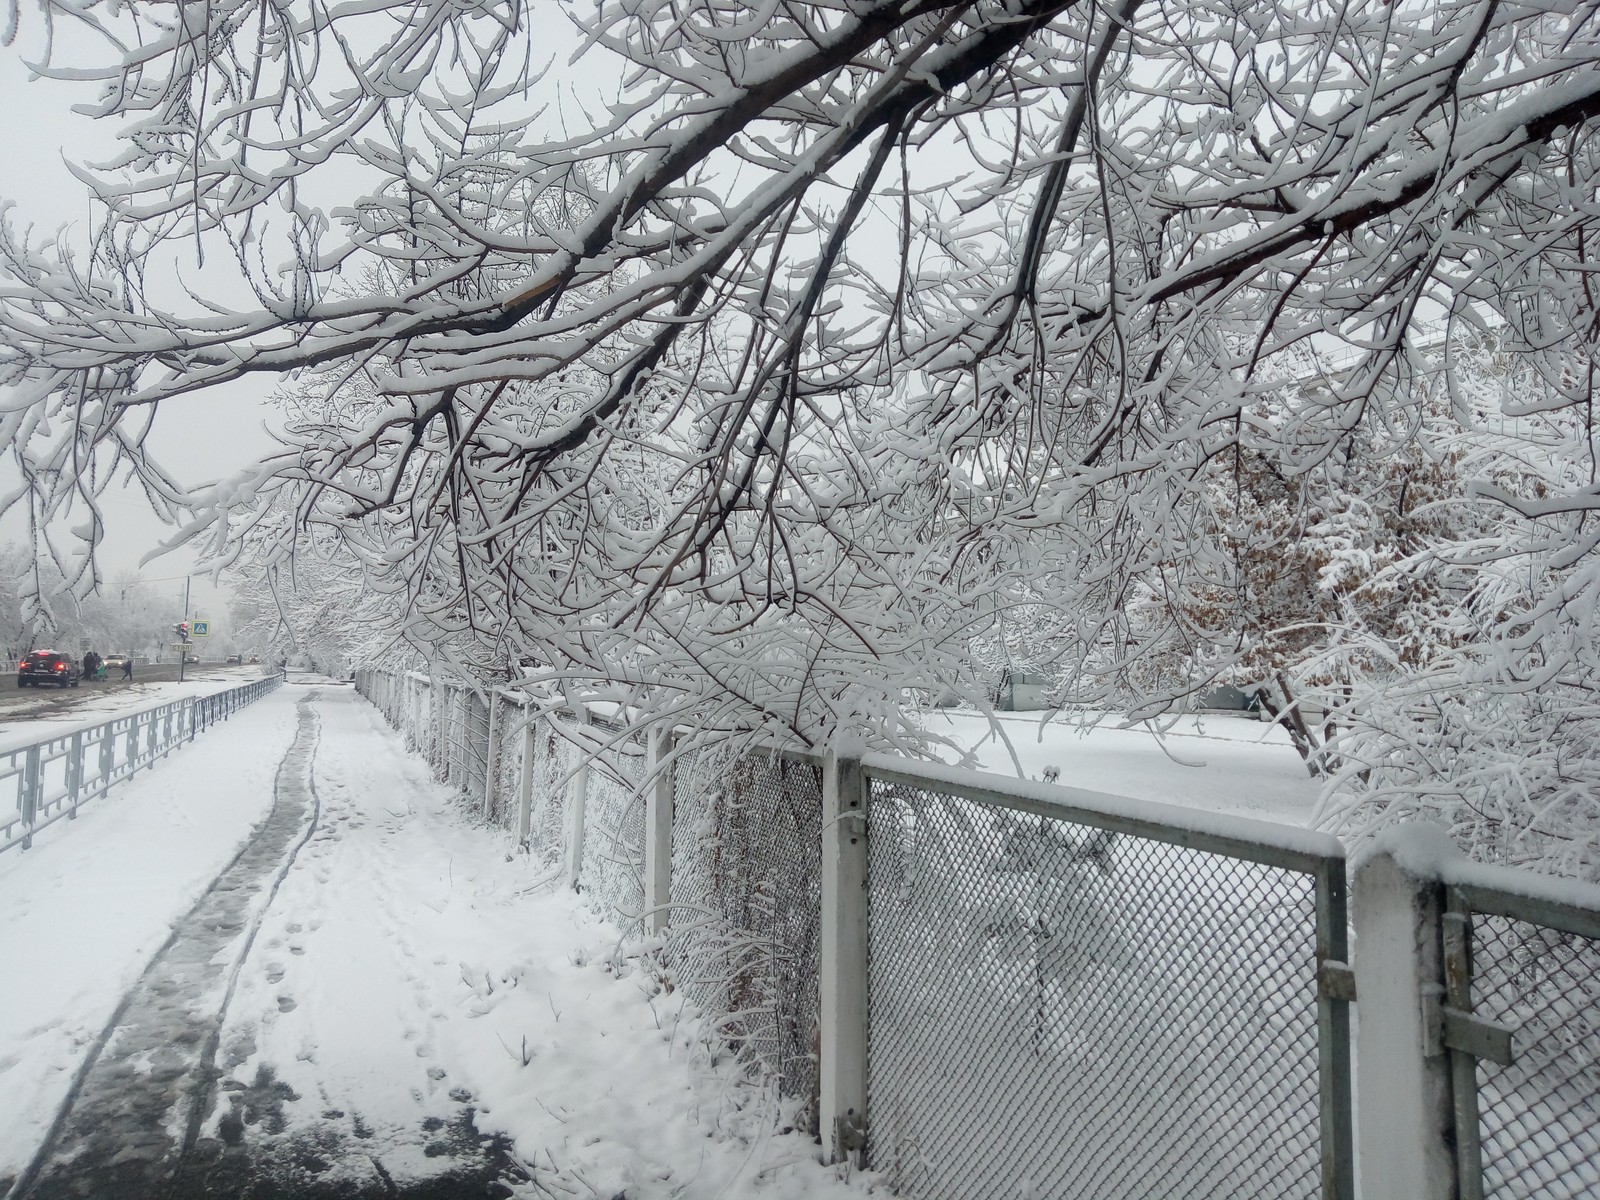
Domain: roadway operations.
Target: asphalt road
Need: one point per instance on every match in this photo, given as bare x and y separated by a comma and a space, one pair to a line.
28, 703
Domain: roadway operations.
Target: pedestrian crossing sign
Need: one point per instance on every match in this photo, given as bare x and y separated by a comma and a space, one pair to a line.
199, 629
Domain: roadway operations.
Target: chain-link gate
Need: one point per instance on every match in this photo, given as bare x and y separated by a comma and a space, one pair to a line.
1527, 1096
1097, 1008
746, 901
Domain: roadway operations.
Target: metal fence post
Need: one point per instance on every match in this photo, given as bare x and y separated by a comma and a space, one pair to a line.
1405, 1123
133, 745
491, 754
577, 798
30, 793
75, 773
525, 784
108, 756
1334, 993
842, 974
659, 801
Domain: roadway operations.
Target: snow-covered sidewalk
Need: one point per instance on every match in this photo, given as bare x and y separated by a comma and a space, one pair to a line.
410, 1006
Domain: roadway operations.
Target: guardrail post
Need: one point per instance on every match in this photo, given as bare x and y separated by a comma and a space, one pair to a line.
525, 781
491, 754
1405, 1123
108, 756
842, 974
74, 773
133, 745
577, 799
659, 802
30, 793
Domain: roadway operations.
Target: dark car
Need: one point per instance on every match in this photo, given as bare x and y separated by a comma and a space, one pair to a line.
48, 666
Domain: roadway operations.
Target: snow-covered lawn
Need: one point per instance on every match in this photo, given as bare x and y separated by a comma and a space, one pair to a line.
1221, 764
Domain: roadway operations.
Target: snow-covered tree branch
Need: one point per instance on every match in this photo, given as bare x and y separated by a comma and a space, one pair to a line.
844, 335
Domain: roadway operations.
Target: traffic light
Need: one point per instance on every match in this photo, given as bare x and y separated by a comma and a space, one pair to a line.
182, 630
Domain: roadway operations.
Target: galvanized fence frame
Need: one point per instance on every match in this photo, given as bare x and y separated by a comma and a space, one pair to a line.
57, 775
1066, 840
1521, 1026
753, 877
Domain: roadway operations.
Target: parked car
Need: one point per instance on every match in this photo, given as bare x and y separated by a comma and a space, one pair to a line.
49, 666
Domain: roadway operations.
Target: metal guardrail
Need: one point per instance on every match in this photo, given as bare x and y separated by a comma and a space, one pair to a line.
56, 776
1522, 1025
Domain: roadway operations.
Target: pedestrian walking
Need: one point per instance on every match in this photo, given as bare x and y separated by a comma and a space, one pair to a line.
127, 668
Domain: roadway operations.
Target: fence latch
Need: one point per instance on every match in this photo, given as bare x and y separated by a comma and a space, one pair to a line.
1449, 1028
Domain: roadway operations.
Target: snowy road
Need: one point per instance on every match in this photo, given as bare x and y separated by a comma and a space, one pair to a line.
374, 998
27, 714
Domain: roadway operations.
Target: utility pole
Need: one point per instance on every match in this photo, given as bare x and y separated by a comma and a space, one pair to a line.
183, 632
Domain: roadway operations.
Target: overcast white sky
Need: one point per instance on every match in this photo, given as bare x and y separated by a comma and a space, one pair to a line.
199, 439
202, 437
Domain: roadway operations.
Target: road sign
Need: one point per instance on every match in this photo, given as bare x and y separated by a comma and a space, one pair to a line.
177, 646
199, 629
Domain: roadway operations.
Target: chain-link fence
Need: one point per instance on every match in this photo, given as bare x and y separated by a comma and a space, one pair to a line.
746, 908
554, 763
1062, 1010
507, 719
612, 873
1535, 972
1056, 1008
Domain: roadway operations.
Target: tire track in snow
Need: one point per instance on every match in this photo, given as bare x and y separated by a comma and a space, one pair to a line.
136, 1107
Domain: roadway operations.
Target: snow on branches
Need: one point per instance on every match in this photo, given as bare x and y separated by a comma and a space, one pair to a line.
844, 336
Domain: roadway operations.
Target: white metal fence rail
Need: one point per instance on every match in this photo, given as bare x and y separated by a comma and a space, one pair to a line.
55, 776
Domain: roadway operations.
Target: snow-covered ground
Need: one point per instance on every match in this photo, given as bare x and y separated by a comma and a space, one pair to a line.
412, 975
408, 971
1222, 764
